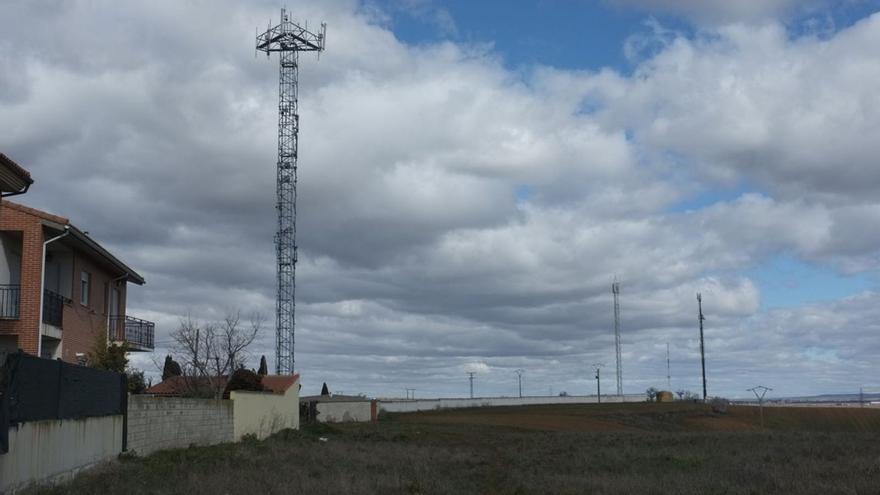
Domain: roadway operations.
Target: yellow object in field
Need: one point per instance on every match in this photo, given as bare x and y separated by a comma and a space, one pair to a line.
664, 396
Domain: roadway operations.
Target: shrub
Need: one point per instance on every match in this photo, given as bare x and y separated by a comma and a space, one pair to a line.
719, 405
243, 379
136, 382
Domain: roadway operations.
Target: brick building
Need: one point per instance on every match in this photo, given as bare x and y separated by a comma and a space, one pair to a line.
59, 289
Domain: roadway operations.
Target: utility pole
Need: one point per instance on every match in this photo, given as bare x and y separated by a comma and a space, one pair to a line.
288, 39
615, 290
519, 374
759, 392
668, 372
702, 344
471, 379
598, 368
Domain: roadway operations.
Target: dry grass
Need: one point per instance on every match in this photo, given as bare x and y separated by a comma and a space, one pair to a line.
544, 449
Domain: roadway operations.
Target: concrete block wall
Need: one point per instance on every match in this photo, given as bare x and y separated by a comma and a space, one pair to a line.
55, 450
156, 423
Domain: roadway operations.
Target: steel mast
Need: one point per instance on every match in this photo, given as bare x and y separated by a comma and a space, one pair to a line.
615, 290
288, 39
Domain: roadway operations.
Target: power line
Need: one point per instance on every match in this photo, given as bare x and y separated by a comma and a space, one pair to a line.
288, 39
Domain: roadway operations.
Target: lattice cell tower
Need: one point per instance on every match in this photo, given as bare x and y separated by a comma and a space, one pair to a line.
615, 290
288, 39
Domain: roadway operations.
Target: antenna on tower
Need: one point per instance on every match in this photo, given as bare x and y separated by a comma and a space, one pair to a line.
288, 39
471, 379
615, 290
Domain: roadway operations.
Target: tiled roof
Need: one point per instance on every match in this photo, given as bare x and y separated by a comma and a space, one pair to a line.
178, 385
279, 383
13, 178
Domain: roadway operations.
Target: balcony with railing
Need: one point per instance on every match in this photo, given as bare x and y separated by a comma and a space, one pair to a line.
53, 308
10, 298
137, 333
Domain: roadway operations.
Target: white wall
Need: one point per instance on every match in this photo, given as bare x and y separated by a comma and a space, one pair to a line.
54, 450
156, 423
403, 405
341, 412
264, 413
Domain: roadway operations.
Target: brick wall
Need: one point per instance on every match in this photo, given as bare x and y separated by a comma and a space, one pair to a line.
31, 228
81, 324
156, 423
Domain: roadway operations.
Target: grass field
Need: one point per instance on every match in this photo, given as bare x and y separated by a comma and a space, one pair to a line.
614, 448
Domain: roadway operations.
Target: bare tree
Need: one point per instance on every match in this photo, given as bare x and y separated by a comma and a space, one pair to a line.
209, 352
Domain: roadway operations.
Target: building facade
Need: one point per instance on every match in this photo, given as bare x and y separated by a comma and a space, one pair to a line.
60, 290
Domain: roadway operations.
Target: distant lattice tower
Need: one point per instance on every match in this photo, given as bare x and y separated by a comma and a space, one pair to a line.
615, 290
288, 39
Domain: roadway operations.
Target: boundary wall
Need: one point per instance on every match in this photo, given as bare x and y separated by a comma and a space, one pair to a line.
264, 413
344, 411
157, 423
413, 405
55, 450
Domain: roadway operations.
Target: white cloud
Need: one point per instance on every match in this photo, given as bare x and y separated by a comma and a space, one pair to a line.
718, 11
420, 257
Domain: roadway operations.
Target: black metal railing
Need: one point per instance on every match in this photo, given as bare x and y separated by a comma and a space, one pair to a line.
10, 297
53, 308
134, 331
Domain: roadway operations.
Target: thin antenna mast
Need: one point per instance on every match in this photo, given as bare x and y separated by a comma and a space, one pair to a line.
288, 39
598, 369
668, 372
615, 290
702, 344
519, 374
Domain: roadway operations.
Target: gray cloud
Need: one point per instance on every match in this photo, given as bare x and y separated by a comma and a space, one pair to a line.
453, 214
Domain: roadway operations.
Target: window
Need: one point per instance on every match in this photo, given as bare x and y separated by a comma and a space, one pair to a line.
85, 286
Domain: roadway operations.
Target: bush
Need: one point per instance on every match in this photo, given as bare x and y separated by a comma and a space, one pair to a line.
243, 379
719, 405
136, 382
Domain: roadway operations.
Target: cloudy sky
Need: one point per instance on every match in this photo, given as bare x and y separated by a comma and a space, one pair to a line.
474, 175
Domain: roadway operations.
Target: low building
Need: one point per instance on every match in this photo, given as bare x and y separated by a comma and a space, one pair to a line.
59, 289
